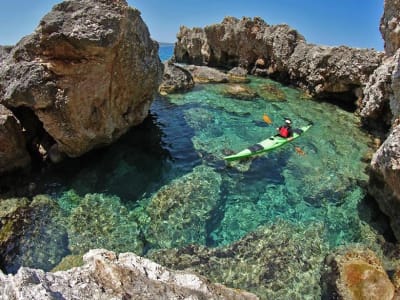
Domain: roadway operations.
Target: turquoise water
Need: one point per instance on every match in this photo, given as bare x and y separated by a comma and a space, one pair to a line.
165, 184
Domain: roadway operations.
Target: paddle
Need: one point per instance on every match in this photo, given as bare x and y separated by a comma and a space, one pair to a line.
267, 119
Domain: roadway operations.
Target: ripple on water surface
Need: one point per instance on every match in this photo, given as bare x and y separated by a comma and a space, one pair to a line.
165, 184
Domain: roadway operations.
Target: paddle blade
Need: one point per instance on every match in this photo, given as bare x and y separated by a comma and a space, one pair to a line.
299, 151
267, 119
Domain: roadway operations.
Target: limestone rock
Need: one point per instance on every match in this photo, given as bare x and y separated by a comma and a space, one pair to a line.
106, 275
240, 91
384, 182
13, 153
375, 106
238, 75
280, 52
202, 74
87, 74
324, 71
175, 79
390, 26
358, 274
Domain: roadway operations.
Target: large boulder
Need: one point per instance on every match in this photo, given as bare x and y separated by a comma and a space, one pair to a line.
86, 75
106, 275
280, 52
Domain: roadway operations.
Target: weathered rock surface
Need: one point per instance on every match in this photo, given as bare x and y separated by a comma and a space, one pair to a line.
106, 275
13, 153
385, 178
375, 108
390, 26
358, 274
281, 261
280, 52
203, 74
380, 110
175, 79
85, 76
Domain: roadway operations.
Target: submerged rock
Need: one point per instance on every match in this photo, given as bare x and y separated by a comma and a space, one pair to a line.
357, 274
85, 76
31, 234
240, 91
179, 211
282, 261
106, 275
271, 92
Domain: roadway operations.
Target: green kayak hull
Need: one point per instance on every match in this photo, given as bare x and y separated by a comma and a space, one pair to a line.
266, 145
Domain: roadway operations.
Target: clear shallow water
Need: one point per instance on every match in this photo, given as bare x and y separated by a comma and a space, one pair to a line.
165, 184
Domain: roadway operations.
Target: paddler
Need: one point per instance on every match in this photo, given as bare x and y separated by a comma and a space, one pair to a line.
286, 130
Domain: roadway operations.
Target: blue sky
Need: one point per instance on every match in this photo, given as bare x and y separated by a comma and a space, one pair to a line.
329, 22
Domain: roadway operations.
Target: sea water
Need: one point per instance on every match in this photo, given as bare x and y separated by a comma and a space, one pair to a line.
166, 185
165, 51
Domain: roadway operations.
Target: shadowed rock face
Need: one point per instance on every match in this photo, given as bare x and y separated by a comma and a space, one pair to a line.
381, 109
13, 154
87, 74
284, 53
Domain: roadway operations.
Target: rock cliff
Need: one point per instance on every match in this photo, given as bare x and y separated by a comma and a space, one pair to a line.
84, 77
281, 53
381, 109
106, 275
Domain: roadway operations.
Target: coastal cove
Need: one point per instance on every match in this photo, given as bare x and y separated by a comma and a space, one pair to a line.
122, 176
155, 189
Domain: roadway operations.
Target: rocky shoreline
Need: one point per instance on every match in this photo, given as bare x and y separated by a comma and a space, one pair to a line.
77, 84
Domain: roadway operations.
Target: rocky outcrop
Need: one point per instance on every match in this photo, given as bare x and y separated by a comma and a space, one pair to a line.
106, 275
175, 79
13, 153
385, 178
281, 53
357, 274
84, 77
380, 110
390, 26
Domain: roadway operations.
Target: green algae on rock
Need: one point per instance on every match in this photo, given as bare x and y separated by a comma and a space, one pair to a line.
31, 233
101, 221
281, 261
179, 211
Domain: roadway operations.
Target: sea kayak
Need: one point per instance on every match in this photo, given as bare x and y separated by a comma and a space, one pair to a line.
267, 145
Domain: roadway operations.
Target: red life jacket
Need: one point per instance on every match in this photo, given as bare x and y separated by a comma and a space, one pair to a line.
283, 131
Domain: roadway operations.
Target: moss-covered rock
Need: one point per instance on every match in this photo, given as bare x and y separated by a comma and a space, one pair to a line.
282, 261
180, 210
